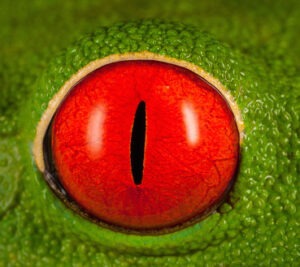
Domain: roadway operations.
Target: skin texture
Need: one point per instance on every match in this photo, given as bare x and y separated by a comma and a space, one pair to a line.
265, 33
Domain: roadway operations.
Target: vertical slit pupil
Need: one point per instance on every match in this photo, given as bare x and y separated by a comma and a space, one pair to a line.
138, 143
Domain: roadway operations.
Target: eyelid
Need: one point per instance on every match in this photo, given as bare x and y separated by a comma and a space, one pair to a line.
83, 72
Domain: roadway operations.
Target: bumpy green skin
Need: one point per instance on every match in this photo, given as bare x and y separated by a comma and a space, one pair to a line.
258, 226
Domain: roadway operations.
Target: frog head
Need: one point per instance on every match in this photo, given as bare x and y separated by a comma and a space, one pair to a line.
257, 209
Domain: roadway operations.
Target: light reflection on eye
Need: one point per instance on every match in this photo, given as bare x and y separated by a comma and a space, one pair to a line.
191, 123
95, 130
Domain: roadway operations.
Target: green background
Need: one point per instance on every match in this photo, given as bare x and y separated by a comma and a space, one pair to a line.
33, 32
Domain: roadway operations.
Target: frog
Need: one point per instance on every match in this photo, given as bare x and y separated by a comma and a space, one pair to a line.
37, 229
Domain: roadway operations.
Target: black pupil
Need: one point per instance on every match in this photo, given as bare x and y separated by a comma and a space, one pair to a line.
138, 143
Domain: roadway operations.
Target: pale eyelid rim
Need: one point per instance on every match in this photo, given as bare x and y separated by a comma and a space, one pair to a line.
96, 64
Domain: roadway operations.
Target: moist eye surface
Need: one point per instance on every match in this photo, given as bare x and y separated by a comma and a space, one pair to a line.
143, 145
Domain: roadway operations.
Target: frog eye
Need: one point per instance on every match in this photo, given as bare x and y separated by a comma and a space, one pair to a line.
142, 145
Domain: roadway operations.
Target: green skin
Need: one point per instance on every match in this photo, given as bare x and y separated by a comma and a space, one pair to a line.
253, 53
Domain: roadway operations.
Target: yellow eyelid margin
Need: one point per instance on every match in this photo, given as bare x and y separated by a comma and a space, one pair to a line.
96, 64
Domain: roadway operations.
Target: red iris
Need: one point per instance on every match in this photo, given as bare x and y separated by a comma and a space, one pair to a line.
145, 144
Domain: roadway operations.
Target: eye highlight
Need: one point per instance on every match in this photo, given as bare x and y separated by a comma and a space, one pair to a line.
143, 145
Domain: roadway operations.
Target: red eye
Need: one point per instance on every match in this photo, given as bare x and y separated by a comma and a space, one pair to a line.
145, 145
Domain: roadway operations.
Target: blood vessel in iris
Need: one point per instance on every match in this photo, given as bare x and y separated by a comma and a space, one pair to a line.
189, 147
